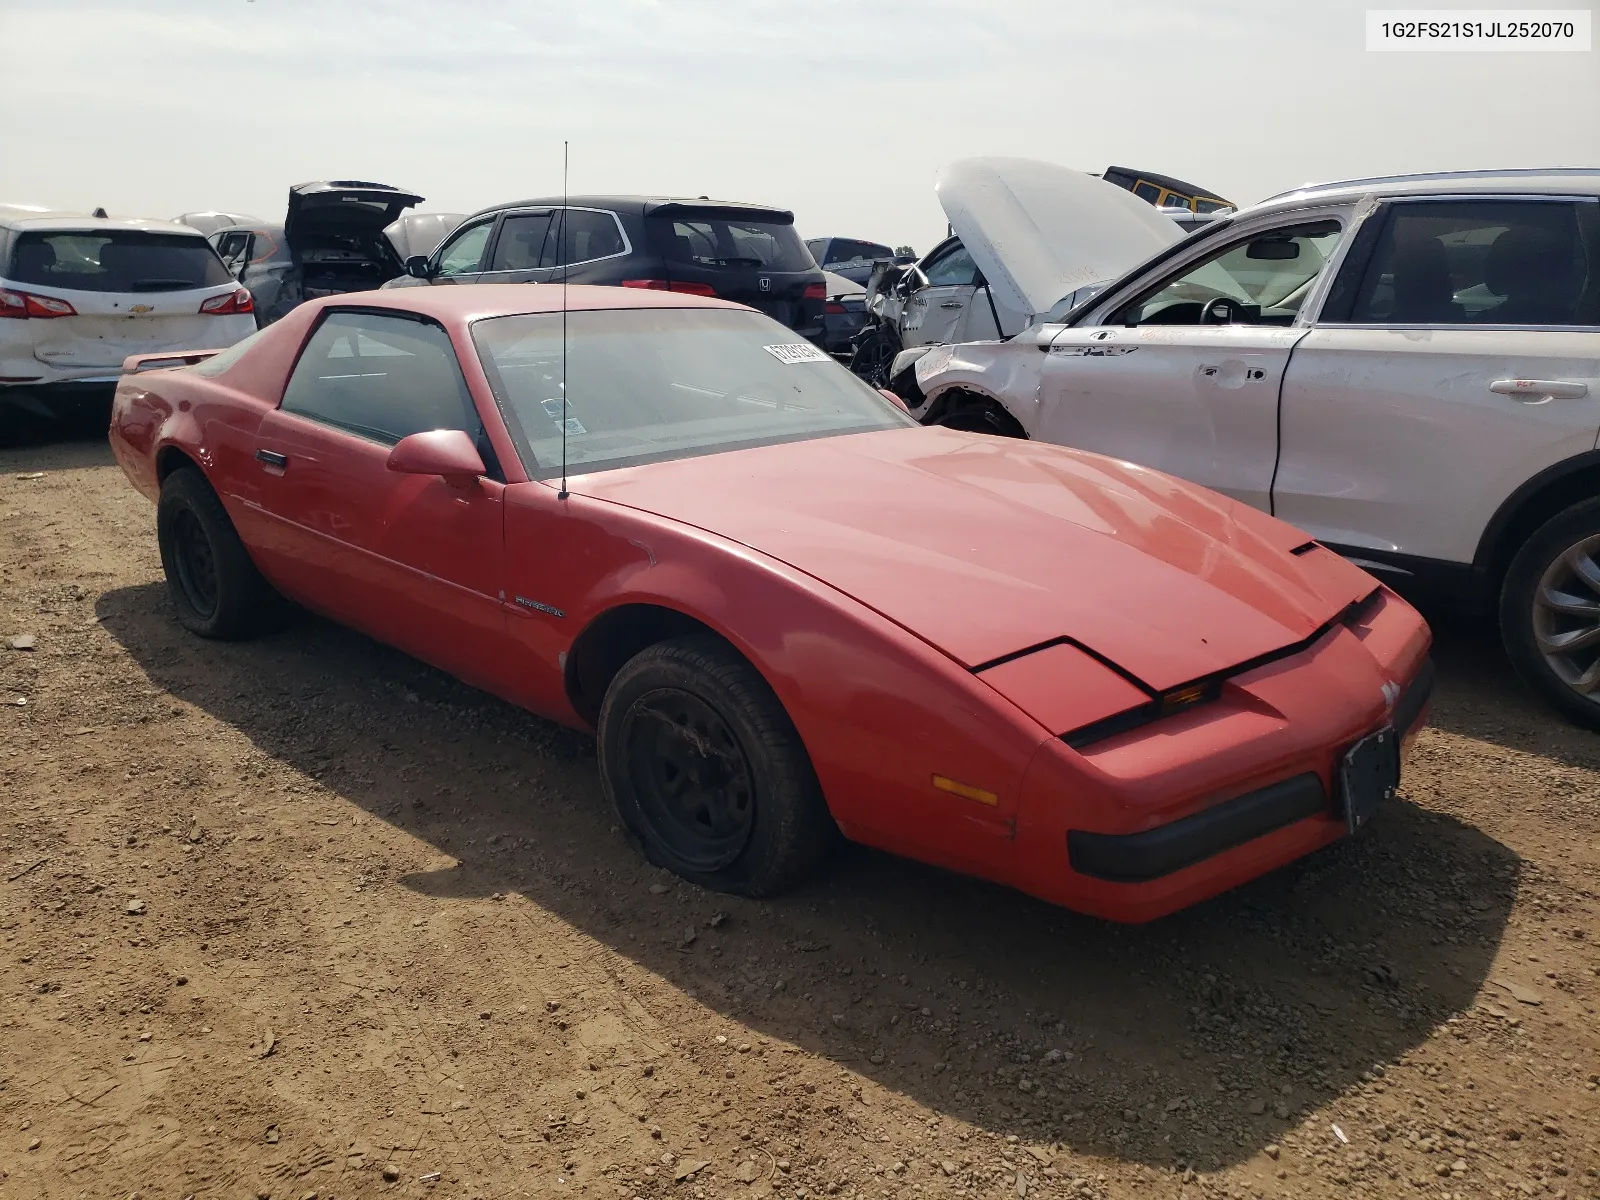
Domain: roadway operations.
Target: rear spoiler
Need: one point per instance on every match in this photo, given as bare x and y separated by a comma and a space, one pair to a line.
136, 363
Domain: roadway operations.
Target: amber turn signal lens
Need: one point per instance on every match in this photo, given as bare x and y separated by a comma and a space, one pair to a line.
965, 791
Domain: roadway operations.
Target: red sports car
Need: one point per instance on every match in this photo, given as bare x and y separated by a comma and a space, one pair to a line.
785, 608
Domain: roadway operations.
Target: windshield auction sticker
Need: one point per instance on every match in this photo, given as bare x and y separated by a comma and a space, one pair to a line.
796, 352
1450, 29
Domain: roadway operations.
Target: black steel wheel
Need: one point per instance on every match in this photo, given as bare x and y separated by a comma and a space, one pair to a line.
707, 772
195, 563
691, 776
215, 587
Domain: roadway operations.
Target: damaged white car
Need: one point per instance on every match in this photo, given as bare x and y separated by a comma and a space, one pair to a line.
1050, 220
1407, 368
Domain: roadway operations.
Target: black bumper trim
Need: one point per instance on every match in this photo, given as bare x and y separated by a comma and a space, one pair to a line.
1140, 857
1409, 707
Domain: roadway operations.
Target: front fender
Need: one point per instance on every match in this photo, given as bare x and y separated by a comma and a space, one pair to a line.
879, 711
1008, 373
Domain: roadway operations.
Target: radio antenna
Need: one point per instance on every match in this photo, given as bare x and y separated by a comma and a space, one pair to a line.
561, 265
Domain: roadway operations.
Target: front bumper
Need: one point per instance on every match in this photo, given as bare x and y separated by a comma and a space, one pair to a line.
1157, 818
1155, 853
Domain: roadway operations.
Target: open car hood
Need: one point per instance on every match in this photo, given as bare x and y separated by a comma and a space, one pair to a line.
342, 207
421, 233
1039, 231
984, 547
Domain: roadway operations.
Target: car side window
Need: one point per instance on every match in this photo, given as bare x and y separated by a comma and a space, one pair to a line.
463, 254
381, 377
588, 233
231, 247
953, 267
1261, 280
521, 243
844, 250
1480, 262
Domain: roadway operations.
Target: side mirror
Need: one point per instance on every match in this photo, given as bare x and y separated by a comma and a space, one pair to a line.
417, 266
893, 399
448, 453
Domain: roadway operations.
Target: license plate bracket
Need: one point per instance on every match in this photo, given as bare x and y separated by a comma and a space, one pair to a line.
1369, 776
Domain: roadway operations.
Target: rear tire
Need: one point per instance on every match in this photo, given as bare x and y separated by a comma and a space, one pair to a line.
707, 772
215, 588
1550, 612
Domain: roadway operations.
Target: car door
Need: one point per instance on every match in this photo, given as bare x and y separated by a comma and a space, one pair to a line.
460, 258
1457, 356
409, 559
522, 252
233, 247
933, 311
1184, 375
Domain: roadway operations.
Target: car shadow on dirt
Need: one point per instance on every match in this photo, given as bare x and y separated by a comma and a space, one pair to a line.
1196, 1040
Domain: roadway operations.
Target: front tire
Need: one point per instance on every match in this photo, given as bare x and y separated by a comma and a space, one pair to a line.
215, 588
977, 415
874, 356
707, 772
1550, 612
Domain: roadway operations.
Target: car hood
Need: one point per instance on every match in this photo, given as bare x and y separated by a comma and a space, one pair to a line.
342, 207
1039, 231
421, 233
984, 547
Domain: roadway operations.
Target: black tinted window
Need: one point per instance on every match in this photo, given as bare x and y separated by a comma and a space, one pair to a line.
588, 235
846, 250
708, 240
116, 261
381, 377
521, 242
1491, 262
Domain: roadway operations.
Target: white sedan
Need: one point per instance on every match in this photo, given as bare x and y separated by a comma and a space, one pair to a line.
1407, 368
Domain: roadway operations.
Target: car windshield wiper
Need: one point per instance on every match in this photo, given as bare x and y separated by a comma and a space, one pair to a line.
161, 285
733, 262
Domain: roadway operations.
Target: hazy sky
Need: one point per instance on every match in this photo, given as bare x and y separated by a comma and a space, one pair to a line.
839, 109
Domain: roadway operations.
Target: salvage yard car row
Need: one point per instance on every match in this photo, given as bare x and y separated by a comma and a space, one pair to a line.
790, 605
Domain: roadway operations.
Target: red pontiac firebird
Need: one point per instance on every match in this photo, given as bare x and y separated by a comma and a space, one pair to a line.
785, 608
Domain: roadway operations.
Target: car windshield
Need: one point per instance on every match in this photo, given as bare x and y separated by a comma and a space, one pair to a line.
711, 240
650, 384
116, 261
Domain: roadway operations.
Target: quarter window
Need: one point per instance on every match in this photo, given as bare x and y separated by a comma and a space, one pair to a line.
1260, 281
382, 377
1488, 262
589, 234
463, 254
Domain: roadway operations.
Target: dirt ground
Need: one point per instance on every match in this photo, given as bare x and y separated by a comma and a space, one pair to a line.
302, 917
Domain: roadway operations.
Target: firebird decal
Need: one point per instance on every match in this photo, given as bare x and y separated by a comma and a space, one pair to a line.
544, 608
1093, 351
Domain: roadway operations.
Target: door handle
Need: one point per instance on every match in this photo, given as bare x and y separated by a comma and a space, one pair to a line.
1537, 391
272, 458
952, 304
